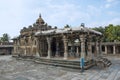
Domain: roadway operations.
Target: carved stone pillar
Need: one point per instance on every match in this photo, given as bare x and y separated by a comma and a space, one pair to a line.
25, 53
57, 48
18, 46
105, 49
77, 51
90, 55
40, 47
15, 51
49, 46
82, 39
37, 48
96, 48
65, 41
114, 50
72, 52
100, 47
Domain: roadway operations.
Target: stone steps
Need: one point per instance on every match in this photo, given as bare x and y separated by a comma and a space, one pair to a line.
56, 62
59, 64
63, 63
104, 62
59, 61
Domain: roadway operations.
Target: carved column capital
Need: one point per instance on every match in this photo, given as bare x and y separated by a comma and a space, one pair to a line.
49, 39
82, 38
65, 38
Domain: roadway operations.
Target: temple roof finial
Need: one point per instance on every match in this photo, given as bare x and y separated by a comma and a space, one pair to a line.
40, 20
40, 15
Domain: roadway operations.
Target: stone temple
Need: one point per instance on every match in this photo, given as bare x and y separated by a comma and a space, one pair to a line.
69, 43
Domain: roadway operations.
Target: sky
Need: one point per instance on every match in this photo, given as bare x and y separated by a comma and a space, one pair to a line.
16, 14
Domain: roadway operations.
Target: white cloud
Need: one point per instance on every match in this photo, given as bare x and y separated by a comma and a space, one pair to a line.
110, 0
111, 3
97, 24
16, 14
94, 11
107, 5
115, 21
61, 15
11, 12
113, 13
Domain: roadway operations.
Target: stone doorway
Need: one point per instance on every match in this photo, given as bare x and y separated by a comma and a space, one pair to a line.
57, 48
53, 47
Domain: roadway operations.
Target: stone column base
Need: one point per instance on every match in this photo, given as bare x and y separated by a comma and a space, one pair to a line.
65, 58
48, 57
37, 55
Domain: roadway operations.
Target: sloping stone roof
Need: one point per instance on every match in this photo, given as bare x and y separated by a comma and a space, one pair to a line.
68, 30
6, 44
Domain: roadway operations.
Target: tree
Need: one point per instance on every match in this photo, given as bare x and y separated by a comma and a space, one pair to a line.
102, 30
0, 39
112, 32
117, 32
5, 38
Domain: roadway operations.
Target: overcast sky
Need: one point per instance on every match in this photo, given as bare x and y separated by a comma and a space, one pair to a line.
16, 14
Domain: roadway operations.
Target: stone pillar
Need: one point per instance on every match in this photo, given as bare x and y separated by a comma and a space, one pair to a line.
18, 46
82, 39
105, 49
97, 48
49, 46
14, 48
72, 52
65, 41
25, 51
114, 50
77, 51
37, 48
57, 48
100, 47
40, 47
90, 55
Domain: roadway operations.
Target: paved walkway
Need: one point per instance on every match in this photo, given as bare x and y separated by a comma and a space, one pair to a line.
12, 69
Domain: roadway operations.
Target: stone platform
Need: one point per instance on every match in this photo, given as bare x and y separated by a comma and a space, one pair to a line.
12, 69
69, 63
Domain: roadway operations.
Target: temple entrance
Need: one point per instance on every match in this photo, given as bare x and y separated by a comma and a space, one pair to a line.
61, 48
118, 49
57, 48
53, 47
110, 49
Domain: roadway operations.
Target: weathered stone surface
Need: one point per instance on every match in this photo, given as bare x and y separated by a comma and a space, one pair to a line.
12, 69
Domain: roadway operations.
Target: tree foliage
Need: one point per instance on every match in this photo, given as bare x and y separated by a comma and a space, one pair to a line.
102, 30
110, 32
5, 38
113, 32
